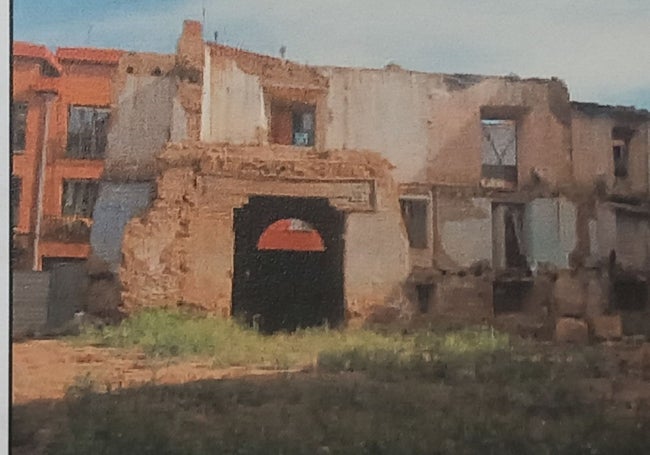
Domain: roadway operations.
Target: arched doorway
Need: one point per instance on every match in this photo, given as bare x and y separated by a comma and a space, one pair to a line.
288, 265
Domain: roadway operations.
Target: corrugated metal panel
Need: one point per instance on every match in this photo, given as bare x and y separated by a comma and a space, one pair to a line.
29, 301
116, 205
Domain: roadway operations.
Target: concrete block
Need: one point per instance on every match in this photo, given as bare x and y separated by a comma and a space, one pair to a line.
571, 330
607, 327
569, 297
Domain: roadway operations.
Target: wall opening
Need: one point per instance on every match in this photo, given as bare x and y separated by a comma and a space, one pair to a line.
293, 124
288, 264
620, 150
499, 153
415, 216
509, 296
630, 295
424, 293
508, 248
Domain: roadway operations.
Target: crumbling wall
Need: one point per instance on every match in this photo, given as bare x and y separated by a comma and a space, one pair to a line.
235, 111
181, 250
592, 134
463, 233
550, 231
430, 126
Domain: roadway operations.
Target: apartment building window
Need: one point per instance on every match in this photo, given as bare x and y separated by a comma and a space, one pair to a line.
87, 132
414, 213
499, 151
15, 192
293, 124
79, 197
18, 127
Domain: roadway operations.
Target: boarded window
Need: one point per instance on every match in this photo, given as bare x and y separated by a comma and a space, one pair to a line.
18, 126
499, 149
414, 213
293, 124
16, 187
79, 197
87, 132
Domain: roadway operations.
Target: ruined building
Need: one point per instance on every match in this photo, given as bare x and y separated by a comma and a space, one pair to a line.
296, 195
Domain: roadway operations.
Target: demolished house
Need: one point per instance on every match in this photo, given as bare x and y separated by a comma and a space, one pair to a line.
293, 195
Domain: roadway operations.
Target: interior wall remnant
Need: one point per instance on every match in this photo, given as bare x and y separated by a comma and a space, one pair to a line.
117, 203
632, 239
141, 128
464, 228
550, 231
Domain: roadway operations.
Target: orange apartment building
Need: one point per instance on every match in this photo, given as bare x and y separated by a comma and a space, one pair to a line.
61, 106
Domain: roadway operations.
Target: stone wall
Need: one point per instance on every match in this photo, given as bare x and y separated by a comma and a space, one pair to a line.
181, 250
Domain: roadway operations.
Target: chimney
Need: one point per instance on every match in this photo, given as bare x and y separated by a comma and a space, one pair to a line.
189, 51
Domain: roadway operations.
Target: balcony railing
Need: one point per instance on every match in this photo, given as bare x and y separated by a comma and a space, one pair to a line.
66, 229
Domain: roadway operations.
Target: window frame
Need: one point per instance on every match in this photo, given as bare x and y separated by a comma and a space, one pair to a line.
90, 200
424, 242
75, 147
15, 191
14, 149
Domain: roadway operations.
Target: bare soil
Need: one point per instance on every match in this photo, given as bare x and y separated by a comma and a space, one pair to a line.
45, 369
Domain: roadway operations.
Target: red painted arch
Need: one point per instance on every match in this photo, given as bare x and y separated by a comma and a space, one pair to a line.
291, 234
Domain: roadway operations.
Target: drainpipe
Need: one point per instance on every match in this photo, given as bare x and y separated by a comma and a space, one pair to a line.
42, 167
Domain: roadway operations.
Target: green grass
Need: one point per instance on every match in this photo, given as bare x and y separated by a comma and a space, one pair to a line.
165, 333
372, 392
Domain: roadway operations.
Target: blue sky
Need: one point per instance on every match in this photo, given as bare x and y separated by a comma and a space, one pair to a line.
600, 47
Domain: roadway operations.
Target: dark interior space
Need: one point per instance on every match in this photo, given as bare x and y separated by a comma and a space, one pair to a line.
287, 289
424, 292
630, 295
509, 296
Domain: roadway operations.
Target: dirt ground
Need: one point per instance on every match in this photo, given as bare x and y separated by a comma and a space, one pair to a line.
44, 369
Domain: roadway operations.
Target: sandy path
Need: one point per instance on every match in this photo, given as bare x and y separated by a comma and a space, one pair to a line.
44, 369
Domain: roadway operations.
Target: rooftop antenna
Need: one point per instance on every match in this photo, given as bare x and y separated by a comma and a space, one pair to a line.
203, 13
283, 51
90, 29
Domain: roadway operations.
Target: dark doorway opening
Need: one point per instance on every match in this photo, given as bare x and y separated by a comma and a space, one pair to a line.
424, 292
630, 295
293, 286
509, 296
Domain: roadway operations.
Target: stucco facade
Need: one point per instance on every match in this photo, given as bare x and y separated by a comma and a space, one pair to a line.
480, 198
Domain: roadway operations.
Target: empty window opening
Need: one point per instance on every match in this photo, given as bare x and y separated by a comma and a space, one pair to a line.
621, 137
414, 213
630, 295
509, 296
508, 247
293, 124
499, 151
18, 126
15, 191
291, 234
424, 293
156, 72
288, 263
87, 132
79, 197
